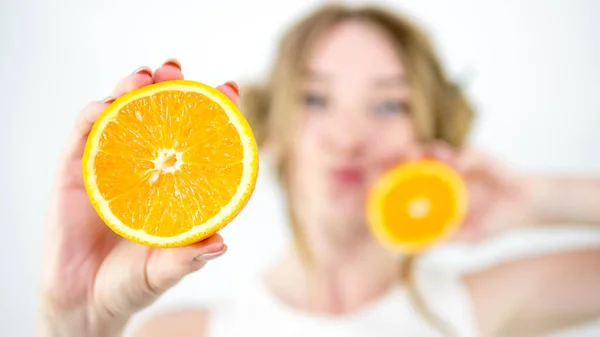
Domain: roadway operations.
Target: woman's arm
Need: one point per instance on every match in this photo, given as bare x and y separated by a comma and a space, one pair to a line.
565, 200
541, 294
537, 295
545, 293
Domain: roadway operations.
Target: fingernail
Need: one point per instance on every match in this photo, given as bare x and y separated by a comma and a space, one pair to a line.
233, 86
143, 70
172, 62
109, 99
210, 256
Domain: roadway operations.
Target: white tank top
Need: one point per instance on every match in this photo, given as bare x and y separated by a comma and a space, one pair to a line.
254, 311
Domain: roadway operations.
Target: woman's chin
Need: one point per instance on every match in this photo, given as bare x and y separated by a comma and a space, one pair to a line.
347, 204
347, 210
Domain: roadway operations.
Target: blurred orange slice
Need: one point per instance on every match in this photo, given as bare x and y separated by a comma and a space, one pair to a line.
170, 164
416, 205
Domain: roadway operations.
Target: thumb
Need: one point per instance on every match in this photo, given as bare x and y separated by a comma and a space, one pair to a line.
133, 276
166, 267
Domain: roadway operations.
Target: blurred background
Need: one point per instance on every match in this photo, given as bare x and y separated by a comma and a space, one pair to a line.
531, 67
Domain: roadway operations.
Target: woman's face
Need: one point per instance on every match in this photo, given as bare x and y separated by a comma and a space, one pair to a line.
355, 124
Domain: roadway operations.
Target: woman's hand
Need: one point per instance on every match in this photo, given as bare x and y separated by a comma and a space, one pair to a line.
499, 199
93, 280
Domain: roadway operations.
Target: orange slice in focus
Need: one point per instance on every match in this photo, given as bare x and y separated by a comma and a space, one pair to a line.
170, 164
416, 205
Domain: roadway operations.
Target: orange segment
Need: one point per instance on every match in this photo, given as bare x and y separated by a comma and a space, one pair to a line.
170, 164
416, 205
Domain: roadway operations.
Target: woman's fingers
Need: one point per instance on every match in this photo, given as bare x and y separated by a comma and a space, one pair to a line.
468, 162
479, 164
440, 151
166, 267
170, 70
141, 77
132, 276
231, 90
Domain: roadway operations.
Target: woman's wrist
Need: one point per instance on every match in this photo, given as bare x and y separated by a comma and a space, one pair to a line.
77, 322
564, 200
539, 199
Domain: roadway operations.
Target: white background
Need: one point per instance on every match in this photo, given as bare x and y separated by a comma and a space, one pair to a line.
532, 67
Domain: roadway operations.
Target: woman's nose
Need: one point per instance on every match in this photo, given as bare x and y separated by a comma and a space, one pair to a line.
346, 134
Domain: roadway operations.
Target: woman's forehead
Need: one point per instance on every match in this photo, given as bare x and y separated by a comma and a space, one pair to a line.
355, 49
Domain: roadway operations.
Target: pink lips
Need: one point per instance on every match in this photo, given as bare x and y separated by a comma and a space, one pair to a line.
347, 175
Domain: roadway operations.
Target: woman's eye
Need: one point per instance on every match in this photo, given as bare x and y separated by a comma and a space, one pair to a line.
315, 101
392, 107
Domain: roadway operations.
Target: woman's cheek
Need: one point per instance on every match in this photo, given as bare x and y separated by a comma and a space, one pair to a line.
389, 153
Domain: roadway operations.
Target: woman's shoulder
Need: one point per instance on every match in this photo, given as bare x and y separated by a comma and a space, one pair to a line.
187, 322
